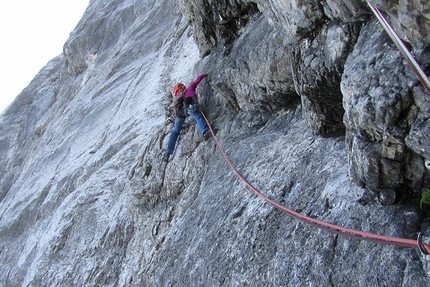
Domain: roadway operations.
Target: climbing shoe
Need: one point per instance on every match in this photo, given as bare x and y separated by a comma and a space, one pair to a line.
166, 157
207, 135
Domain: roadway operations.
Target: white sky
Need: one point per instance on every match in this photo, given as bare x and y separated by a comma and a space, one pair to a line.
32, 33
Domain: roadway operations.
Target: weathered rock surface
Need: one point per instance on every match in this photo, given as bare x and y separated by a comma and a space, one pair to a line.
380, 116
312, 103
410, 19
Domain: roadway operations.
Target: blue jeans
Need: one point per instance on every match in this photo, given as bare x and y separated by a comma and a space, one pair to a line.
177, 126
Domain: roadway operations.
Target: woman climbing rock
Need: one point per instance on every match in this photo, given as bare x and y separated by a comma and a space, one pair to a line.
186, 104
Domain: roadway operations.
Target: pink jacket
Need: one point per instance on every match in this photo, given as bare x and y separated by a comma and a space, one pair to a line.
190, 91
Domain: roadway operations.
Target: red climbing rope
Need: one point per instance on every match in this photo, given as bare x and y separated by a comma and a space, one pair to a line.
351, 233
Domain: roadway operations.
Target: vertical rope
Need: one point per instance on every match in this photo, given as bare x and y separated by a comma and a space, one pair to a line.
402, 48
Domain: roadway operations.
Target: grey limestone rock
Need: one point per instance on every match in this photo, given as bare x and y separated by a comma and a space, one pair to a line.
410, 19
311, 102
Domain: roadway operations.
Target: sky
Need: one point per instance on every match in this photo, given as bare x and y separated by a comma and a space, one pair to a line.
32, 33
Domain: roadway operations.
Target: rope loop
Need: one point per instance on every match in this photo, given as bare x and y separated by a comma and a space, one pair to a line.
334, 229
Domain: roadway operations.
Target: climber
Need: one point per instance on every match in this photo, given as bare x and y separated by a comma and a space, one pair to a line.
186, 104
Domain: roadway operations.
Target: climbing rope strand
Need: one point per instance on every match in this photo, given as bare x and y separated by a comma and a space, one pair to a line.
335, 229
401, 46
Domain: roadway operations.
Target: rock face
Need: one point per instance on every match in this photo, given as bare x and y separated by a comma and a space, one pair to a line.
312, 103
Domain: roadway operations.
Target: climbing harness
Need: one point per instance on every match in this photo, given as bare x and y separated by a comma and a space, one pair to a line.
402, 48
335, 229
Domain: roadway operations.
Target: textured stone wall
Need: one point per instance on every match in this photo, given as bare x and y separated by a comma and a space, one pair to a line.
348, 75
304, 96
